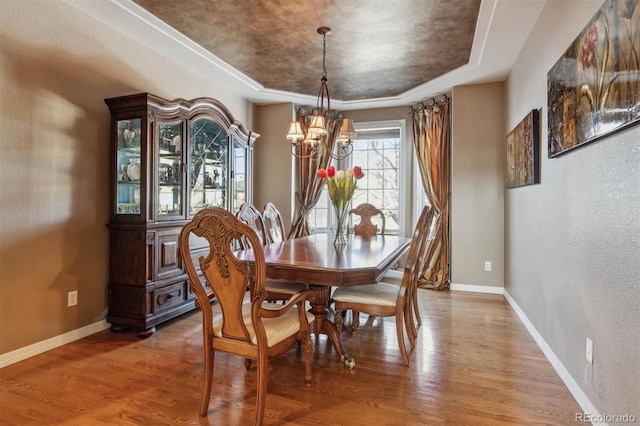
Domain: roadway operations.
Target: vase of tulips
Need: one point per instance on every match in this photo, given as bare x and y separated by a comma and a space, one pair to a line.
341, 185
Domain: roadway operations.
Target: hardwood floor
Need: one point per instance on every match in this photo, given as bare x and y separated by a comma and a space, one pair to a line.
474, 364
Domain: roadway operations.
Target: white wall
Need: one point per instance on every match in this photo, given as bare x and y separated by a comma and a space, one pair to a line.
573, 241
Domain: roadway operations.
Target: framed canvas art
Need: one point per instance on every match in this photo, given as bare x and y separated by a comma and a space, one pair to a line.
594, 88
523, 147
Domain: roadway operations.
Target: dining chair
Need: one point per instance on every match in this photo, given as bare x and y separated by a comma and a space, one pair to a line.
274, 226
420, 255
250, 215
385, 300
365, 227
276, 289
251, 328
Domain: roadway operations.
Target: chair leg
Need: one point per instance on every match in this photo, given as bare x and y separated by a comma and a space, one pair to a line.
355, 320
410, 325
339, 318
261, 387
416, 310
209, 356
400, 333
308, 349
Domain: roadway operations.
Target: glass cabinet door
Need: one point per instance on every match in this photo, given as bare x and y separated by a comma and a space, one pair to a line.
208, 167
239, 176
129, 169
169, 189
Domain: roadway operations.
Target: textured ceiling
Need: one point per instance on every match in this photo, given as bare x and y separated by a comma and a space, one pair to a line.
378, 48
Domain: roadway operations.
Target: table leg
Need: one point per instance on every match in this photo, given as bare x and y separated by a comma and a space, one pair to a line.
323, 325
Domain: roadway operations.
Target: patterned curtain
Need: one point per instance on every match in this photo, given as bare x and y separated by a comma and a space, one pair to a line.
431, 140
308, 185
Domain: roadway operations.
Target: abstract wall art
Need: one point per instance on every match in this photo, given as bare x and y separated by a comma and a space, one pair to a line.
523, 147
594, 89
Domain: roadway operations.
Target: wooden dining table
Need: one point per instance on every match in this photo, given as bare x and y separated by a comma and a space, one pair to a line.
316, 261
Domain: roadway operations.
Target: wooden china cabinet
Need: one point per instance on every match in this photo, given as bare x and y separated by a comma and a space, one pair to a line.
170, 159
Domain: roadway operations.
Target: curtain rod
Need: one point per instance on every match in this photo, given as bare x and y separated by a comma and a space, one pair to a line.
443, 99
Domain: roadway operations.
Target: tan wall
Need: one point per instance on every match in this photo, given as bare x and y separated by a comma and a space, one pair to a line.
56, 67
477, 184
272, 160
381, 114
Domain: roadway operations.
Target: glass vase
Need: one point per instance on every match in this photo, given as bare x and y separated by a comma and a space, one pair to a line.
340, 227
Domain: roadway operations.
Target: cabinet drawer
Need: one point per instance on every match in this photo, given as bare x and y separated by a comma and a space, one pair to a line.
169, 296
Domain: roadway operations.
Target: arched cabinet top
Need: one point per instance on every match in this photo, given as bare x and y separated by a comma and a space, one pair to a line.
182, 109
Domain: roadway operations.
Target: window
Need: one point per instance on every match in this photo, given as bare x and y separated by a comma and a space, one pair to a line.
319, 216
378, 149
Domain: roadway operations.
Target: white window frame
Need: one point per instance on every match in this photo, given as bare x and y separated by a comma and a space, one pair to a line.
405, 178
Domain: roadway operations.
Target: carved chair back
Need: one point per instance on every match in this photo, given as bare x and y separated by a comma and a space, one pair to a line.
366, 212
250, 215
273, 223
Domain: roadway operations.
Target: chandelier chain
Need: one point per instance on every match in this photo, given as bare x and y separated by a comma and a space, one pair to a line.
324, 54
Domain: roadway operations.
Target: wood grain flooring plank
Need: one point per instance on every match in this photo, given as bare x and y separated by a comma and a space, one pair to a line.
474, 364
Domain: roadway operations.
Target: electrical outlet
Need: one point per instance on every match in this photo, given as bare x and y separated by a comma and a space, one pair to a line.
72, 298
589, 351
487, 266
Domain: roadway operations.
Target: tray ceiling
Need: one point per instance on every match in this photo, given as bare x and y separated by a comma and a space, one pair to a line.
377, 49
380, 53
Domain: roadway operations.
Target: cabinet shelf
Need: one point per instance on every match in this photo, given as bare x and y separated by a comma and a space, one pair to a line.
134, 151
170, 155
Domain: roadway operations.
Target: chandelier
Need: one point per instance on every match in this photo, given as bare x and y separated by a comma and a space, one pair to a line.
315, 141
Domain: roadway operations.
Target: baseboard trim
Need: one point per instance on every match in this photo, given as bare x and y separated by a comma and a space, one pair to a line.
477, 288
575, 389
52, 343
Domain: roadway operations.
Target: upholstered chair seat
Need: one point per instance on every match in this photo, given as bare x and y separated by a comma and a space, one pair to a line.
276, 329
